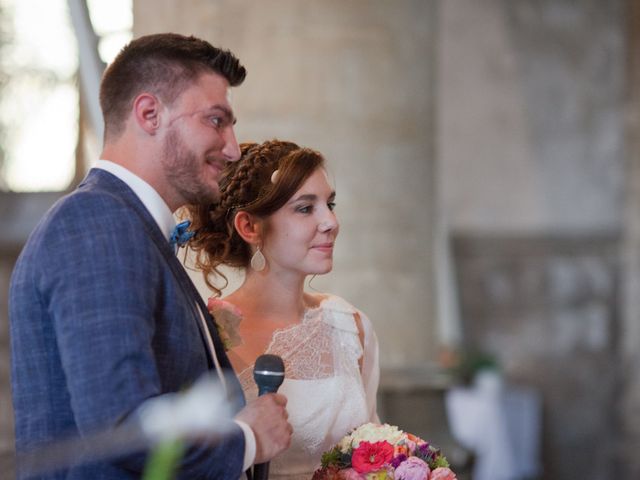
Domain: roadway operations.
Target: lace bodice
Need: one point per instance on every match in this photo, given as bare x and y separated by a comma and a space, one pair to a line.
328, 393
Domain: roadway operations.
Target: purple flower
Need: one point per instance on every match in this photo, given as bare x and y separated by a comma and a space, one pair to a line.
412, 469
398, 460
424, 448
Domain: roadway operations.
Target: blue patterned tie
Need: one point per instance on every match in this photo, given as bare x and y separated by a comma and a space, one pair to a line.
180, 235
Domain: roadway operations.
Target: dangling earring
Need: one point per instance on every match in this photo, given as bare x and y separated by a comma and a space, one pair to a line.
258, 262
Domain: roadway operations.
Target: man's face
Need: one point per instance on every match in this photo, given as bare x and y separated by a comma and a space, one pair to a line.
199, 141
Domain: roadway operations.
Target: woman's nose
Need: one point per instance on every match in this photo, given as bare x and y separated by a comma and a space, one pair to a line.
328, 224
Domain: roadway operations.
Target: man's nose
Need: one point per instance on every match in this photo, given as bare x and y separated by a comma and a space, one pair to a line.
231, 149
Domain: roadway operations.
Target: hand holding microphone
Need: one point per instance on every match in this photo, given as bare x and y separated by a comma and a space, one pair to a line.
267, 415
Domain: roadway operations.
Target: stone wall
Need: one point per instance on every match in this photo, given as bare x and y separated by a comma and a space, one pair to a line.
628, 408
546, 309
531, 161
530, 122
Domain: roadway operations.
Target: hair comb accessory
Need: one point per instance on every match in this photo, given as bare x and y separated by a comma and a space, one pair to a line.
181, 235
274, 176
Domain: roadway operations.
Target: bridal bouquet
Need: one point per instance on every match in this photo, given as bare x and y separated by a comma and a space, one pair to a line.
383, 452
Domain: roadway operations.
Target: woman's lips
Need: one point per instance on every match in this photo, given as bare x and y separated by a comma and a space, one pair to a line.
323, 247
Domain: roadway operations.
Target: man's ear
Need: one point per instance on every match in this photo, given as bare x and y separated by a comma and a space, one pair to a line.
146, 110
248, 227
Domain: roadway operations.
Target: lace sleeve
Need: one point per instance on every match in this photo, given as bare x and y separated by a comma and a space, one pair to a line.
370, 367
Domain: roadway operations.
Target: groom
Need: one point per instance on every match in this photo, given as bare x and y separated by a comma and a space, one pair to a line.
103, 316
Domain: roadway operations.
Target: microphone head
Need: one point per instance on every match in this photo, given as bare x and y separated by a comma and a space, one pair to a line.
268, 372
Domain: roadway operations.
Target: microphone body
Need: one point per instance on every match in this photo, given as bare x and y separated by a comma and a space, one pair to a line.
268, 373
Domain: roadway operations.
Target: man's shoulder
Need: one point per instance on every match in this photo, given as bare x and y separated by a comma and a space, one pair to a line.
90, 201
89, 212
95, 194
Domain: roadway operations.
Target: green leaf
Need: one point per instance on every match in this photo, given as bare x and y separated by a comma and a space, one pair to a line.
163, 460
441, 461
336, 458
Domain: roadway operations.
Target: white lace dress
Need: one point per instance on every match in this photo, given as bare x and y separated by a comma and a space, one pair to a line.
328, 394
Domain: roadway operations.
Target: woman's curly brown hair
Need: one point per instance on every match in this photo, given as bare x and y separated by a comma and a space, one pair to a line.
246, 186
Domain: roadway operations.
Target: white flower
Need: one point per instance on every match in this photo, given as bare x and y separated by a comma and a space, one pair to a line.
371, 432
345, 444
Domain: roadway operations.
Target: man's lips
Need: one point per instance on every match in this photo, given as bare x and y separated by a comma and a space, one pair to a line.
215, 165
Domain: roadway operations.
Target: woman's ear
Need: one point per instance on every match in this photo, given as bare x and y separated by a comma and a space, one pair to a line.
248, 227
146, 110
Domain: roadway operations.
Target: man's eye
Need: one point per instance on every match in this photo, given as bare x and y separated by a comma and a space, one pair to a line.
216, 121
331, 205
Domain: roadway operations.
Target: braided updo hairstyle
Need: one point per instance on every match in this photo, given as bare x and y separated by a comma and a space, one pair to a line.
246, 185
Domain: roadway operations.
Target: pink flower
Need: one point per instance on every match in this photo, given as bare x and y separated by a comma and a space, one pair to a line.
411, 446
369, 457
349, 474
413, 468
442, 473
228, 318
216, 303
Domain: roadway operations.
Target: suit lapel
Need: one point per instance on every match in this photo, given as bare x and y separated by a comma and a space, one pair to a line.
103, 179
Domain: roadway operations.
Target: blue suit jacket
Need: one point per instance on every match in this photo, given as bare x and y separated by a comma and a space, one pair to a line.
103, 317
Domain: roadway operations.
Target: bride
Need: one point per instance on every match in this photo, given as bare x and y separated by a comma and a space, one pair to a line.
275, 220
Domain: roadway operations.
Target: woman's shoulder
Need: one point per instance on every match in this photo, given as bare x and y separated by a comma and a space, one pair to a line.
331, 302
341, 314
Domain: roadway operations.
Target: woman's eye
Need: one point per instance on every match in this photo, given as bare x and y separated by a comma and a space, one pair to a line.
304, 209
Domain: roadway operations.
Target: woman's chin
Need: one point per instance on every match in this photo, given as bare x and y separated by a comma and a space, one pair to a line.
325, 269
320, 268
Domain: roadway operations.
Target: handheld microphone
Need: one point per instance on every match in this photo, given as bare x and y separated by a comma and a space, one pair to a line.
268, 372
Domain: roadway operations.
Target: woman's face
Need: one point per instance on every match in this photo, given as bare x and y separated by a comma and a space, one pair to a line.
300, 236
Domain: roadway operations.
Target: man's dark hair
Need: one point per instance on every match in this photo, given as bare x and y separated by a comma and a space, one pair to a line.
164, 64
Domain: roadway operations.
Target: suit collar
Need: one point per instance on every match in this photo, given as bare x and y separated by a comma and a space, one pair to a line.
149, 197
103, 180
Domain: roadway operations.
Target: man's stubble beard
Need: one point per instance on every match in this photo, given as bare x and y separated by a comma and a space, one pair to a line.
183, 172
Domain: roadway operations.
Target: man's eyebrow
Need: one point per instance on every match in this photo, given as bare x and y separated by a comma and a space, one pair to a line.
226, 110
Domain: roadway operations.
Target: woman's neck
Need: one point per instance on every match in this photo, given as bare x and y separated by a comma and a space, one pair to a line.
271, 296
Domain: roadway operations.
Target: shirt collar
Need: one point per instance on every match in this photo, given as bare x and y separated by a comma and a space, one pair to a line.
151, 199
